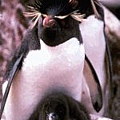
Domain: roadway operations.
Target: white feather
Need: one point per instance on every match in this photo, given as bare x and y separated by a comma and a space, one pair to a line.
44, 70
95, 47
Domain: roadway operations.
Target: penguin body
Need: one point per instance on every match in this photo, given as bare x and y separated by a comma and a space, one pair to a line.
95, 48
43, 71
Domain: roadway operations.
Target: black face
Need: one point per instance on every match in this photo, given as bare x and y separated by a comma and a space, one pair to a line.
60, 32
56, 7
53, 29
54, 110
59, 107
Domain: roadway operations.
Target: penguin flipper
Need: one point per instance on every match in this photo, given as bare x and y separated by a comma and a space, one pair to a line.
28, 43
93, 84
12, 74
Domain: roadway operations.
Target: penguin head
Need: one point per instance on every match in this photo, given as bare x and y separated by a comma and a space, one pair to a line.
54, 109
58, 20
58, 106
56, 23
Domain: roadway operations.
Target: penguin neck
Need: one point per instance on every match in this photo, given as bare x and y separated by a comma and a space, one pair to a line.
62, 37
61, 47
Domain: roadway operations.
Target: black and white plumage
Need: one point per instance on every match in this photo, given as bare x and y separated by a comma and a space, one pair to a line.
51, 58
58, 106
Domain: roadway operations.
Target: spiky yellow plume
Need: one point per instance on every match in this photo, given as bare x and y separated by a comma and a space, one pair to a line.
35, 15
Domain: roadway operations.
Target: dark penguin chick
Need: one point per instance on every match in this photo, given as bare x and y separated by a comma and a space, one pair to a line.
59, 106
51, 57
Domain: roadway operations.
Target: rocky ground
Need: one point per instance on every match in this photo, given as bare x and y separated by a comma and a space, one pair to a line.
13, 25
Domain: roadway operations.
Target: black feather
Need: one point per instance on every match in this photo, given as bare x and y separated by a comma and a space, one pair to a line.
54, 7
58, 106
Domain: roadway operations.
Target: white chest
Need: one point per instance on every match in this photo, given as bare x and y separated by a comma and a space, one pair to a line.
55, 67
51, 68
92, 31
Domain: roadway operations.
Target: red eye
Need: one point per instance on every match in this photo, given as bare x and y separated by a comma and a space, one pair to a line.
63, 22
48, 21
74, 3
71, 1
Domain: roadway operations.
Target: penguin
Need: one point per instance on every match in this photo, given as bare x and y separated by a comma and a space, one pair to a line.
98, 51
58, 106
50, 58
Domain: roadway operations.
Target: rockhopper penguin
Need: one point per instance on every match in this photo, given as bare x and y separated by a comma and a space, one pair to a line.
50, 58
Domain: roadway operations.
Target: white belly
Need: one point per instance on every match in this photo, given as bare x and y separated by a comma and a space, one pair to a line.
92, 31
51, 68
